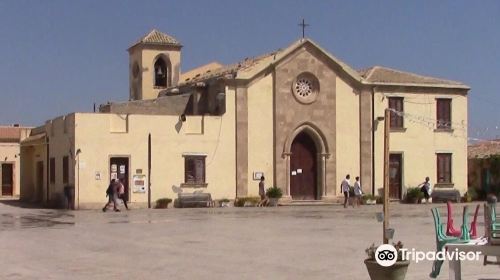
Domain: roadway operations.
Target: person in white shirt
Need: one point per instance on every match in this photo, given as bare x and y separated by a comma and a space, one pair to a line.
426, 189
345, 185
358, 192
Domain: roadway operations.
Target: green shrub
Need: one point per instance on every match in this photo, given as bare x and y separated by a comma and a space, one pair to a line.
240, 202
367, 197
472, 193
414, 195
163, 203
274, 192
379, 199
224, 200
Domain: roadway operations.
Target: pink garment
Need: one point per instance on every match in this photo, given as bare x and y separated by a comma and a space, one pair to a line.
121, 190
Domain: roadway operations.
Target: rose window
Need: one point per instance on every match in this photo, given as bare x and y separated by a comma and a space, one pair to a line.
304, 87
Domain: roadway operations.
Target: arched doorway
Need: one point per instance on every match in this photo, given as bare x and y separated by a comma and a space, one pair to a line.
303, 168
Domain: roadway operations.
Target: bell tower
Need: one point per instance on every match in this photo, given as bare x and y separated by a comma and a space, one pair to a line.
154, 65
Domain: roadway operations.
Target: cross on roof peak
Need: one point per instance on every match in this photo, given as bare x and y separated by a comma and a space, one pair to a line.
303, 24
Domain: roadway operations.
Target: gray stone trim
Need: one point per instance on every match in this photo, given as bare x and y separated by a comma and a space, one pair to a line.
241, 141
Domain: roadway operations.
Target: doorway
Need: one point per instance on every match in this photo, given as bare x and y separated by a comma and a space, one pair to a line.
395, 175
303, 163
119, 169
7, 179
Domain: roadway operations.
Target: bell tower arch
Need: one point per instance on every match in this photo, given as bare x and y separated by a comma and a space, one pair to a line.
154, 65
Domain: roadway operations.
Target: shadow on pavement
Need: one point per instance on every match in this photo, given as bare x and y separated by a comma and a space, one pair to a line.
21, 204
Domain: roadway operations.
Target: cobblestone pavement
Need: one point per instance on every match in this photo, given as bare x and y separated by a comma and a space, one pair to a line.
302, 242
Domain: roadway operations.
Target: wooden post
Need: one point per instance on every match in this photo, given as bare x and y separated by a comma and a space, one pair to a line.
387, 124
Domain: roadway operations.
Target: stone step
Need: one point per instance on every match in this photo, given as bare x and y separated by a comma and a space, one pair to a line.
308, 203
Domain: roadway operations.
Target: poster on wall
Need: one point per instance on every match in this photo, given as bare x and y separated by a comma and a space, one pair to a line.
114, 175
257, 175
139, 183
114, 168
122, 169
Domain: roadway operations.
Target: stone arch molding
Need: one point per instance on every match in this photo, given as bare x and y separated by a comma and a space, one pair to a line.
323, 154
315, 133
165, 57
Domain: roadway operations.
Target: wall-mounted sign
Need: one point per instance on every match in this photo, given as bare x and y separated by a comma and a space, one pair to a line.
138, 171
139, 183
122, 169
299, 171
114, 175
98, 175
114, 168
294, 173
257, 175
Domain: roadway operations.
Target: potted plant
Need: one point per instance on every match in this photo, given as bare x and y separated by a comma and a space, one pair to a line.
397, 271
414, 195
274, 194
162, 203
369, 199
224, 202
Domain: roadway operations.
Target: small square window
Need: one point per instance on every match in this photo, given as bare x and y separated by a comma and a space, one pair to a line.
194, 169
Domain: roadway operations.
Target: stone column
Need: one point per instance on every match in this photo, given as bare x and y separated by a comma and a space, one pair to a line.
323, 175
287, 195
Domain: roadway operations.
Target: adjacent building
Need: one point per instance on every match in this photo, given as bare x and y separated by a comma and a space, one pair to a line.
484, 167
10, 138
298, 116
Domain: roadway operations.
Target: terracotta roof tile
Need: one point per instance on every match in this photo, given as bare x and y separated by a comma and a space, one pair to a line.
484, 149
384, 75
156, 37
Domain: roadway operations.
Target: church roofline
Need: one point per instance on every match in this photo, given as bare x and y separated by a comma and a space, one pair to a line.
249, 68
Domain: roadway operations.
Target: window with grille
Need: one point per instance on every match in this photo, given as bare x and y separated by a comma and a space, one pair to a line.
443, 110
65, 165
396, 104
52, 168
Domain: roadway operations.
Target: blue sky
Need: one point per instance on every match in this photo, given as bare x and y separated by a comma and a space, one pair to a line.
58, 57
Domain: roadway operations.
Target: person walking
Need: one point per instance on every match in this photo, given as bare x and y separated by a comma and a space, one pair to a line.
426, 189
112, 194
121, 193
262, 193
345, 185
358, 192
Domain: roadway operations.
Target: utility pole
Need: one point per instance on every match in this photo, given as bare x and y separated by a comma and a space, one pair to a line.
149, 170
387, 125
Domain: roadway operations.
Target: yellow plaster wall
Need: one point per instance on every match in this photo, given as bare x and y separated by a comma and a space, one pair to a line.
260, 133
61, 143
30, 155
148, 60
170, 141
420, 143
347, 152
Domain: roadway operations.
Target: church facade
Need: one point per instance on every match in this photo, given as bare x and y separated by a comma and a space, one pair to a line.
298, 116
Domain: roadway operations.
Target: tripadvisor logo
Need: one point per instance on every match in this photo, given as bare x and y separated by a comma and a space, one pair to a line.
386, 255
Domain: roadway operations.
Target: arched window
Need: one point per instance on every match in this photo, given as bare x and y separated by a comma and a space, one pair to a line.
161, 73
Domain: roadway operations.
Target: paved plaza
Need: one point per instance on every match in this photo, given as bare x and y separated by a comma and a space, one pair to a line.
301, 242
